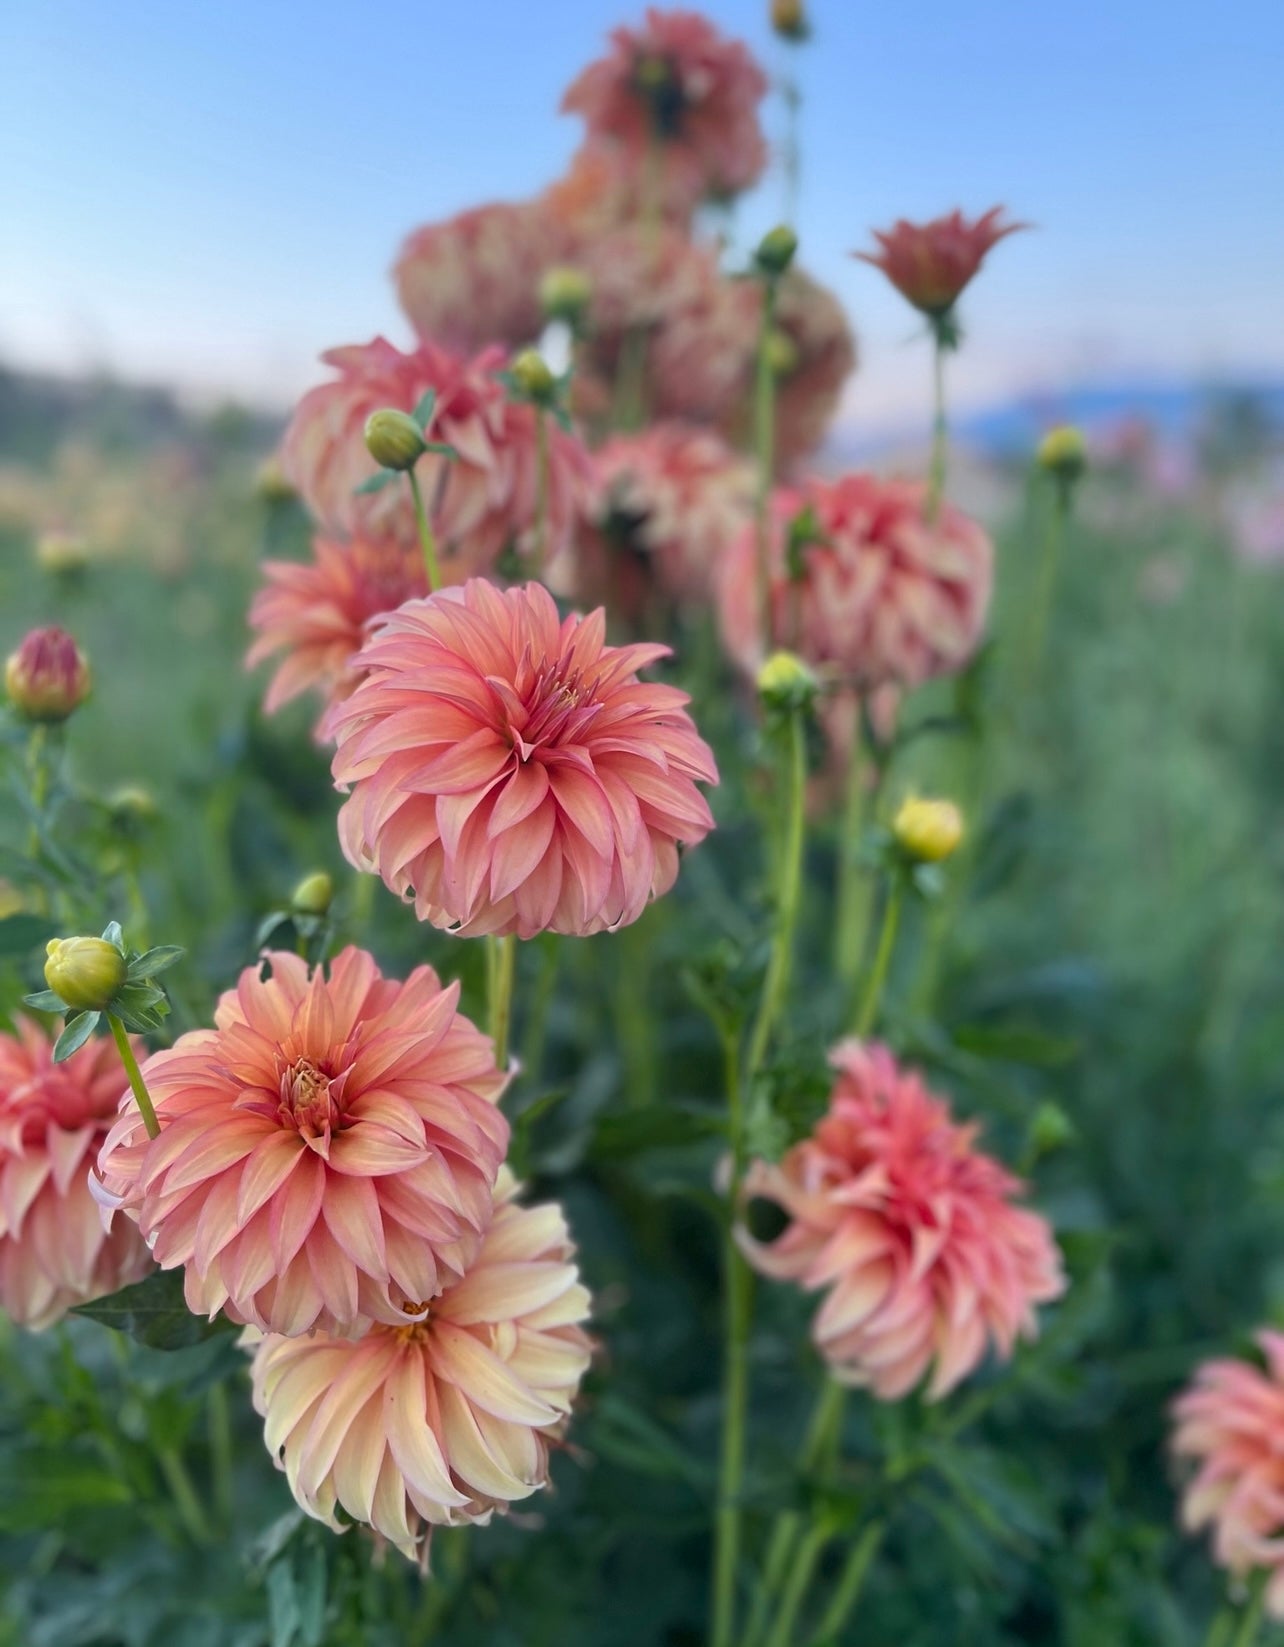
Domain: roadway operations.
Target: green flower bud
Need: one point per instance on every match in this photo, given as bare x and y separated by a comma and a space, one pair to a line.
789, 19
565, 293
782, 353
394, 440
85, 972
1063, 453
313, 894
785, 682
47, 678
270, 483
928, 831
534, 378
776, 251
1050, 1129
62, 553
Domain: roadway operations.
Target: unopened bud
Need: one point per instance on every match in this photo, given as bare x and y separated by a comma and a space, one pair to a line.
393, 439
785, 682
85, 972
776, 250
1050, 1129
533, 377
313, 894
789, 19
565, 293
47, 678
782, 353
1063, 453
132, 805
62, 553
928, 831
270, 483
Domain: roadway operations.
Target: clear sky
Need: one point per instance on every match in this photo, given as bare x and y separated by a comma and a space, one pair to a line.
208, 194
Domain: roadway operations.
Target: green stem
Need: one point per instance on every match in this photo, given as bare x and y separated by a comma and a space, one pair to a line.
188, 1505
788, 898
804, 1565
501, 957
764, 449
426, 539
541, 493
851, 1582
940, 429
136, 1083
220, 1434
1251, 1619
853, 879
1049, 561
873, 995
38, 783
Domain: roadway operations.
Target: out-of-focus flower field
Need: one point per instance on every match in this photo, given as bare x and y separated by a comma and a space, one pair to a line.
1091, 979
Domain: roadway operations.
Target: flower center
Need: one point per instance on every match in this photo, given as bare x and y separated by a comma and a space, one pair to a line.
414, 1332
308, 1100
558, 709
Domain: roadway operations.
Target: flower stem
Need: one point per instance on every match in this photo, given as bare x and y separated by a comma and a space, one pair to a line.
764, 447
500, 955
853, 881
873, 995
850, 1583
220, 1436
788, 897
940, 429
1049, 561
426, 539
188, 1505
136, 1083
1251, 1619
804, 1565
541, 493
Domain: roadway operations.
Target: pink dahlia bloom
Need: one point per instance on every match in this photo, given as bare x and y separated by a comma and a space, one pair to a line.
1230, 1425
446, 1419
54, 1251
481, 502
884, 596
510, 772
327, 1152
474, 279
910, 1228
318, 612
930, 263
678, 86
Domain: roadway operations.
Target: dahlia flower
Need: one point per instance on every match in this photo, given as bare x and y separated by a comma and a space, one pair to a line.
510, 772
1230, 1423
447, 1418
54, 1251
909, 1227
317, 612
474, 279
930, 263
482, 502
47, 677
882, 596
679, 88
327, 1151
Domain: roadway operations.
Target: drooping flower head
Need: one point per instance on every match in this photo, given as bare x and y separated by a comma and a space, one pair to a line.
327, 1151
1230, 1424
872, 591
447, 1419
54, 1251
318, 612
931, 263
510, 772
909, 1228
677, 86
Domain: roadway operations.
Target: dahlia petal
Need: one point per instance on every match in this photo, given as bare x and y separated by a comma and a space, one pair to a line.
350, 1207
371, 1150
488, 1383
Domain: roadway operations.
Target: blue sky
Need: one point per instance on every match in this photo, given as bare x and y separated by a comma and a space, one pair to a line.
208, 195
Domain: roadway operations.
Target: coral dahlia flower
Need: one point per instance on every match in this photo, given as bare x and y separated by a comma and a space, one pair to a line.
317, 612
447, 1418
1230, 1425
510, 772
909, 1228
678, 87
327, 1152
881, 596
54, 1251
930, 263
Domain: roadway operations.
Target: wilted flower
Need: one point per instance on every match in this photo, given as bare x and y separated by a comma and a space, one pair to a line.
47, 678
874, 592
679, 87
317, 612
930, 263
54, 1251
1230, 1423
450, 1417
510, 772
927, 831
327, 1152
909, 1227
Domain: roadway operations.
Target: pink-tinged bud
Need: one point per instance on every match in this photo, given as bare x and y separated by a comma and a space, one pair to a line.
85, 972
47, 678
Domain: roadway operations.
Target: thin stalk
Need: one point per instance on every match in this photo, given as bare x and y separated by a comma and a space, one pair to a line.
851, 1581
800, 1574
501, 956
541, 492
38, 784
426, 539
788, 898
873, 995
940, 429
1251, 1620
764, 420
1049, 561
136, 1083
220, 1435
188, 1504
853, 880
791, 148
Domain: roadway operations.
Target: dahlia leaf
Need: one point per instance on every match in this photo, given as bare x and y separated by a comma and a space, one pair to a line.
153, 961
75, 1033
113, 935
45, 1000
377, 482
423, 413
154, 1312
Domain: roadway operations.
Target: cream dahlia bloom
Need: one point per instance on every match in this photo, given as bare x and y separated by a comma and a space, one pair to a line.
509, 771
447, 1419
54, 1251
1230, 1424
909, 1228
327, 1152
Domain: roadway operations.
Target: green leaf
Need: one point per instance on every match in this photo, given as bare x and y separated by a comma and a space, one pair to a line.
75, 1033
153, 1311
422, 413
45, 1000
377, 482
154, 961
21, 933
1015, 1044
443, 448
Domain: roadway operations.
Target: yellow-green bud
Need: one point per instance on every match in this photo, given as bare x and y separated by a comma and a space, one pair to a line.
313, 894
534, 377
393, 439
565, 293
132, 804
776, 250
785, 682
270, 483
1063, 453
782, 352
47, 678
62, 553
928, 831
85, 972
789, 19
1050, 1129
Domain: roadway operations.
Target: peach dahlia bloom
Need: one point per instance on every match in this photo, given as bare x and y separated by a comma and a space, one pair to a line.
327, 1152
909, 1228
678, 85
54, 1251
930, 263
444, 1420
509, 771
317, 612
884, 596
1230, 1425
